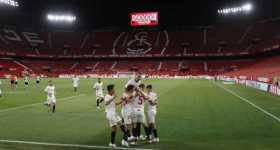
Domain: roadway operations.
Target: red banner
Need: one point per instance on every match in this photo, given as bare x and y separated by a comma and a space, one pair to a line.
144, 19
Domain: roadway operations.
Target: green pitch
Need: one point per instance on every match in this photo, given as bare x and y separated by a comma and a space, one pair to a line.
192, 114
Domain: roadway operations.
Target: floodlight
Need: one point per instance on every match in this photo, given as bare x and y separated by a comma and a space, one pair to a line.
64, 18
12, 3
247, 7
235, 10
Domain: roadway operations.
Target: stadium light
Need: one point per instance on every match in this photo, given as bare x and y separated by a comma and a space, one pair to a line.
12, 3
246, 8
64, 18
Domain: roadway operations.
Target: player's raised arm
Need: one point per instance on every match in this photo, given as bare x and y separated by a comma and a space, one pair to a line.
142, 93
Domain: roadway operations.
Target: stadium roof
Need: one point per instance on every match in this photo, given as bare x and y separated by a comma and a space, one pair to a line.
115, 13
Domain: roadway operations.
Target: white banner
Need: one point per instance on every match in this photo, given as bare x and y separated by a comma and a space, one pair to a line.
257, 85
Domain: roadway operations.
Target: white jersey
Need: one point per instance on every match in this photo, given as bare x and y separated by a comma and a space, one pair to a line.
76, 81
111, 108
98, 88
38, 78
152, 98
16, 79
138, 103
127, 106
133, 82
50, 91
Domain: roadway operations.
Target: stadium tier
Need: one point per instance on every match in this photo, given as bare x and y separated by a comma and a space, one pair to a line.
149, 67
266, 68
8, 66
108, 52
236, 39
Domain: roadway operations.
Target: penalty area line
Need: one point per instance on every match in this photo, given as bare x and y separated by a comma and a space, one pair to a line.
67, 145
249, 102
41, 103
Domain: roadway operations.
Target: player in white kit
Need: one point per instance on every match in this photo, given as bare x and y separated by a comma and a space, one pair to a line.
138, 114
113, 118
152, 111
38, 80
26, 82
98, 86
51, 99
76, 82
136, 81
126, 101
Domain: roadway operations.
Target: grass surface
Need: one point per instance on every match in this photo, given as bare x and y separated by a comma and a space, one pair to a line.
192, 114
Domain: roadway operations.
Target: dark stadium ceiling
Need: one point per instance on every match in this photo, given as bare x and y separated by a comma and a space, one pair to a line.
115, 13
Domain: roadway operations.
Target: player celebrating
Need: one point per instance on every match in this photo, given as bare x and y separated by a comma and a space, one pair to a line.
98, 86
51, 100
76, 82
134, 81
152, 110
126, 101
113, 118
138, 115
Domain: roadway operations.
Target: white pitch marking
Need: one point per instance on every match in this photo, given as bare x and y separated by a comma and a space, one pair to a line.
68, 145
249, 102
16, 92
35, 104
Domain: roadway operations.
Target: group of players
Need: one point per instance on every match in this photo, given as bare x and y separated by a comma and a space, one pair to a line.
133, 115
132, 103
14, 81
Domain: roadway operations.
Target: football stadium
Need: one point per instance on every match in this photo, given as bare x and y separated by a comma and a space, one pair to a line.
139, 74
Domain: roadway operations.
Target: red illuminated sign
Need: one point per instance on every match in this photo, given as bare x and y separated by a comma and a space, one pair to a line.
144, 19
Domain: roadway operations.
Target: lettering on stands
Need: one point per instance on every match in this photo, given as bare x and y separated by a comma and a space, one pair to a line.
7, 35
32, 37
11, 35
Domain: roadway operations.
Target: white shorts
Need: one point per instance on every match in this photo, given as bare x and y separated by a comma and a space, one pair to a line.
113, 119
138, 116
152, 116
127, 116
51, 101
